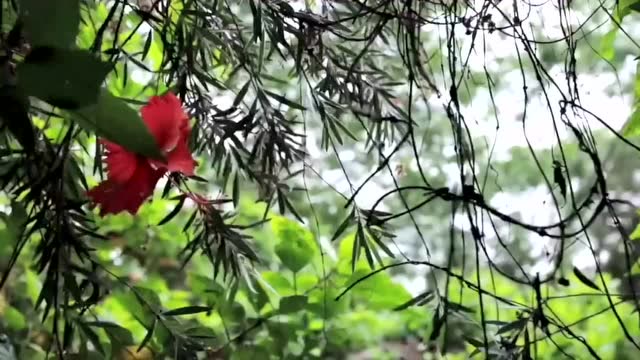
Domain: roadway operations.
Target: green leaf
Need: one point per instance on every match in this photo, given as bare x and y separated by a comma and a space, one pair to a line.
148, 336
92, 337
173, 212
52, 23
14, 108
116, 121
291, 304
14, 227
68, 79
147, 298
632, 127
296, 246
378, 291
119, 336
585, 280
200, 332
187, 310
14, 319
635, 235
285, 101
516, 325
419, 300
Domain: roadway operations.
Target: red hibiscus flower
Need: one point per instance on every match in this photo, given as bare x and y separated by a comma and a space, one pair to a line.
131, 178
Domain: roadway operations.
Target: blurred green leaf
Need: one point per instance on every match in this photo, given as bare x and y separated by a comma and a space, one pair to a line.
584, 279
517, 325
187, 310
52, 23
14, 319
66, 78
114, 120
14, 107
291, 304
635, 234
379, 290
119, 336
14, 227
277, 282
296, 245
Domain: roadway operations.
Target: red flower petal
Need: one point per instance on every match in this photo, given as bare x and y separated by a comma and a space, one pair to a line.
180, 159
121, 164
115, 197
165, 117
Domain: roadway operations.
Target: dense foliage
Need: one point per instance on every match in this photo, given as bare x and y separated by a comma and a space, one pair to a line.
189, 179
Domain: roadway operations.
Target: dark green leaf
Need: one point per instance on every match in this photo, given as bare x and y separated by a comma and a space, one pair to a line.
187, 310
119, 336
291, 304
68, 79
516, 325
475, 342
257, 19
148, 336
92, 337
174, 212
455, 307
284, 100
585, 280
241, 93
147, 298
114, 120
418, 300
51, 23
147, 44
200, 332
343, 226
437, 322
14, 109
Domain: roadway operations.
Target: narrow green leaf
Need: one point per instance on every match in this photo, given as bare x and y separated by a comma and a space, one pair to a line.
174, 212
147, 44
92, 337
475, 342
515, 325
418, 300
343, 226
455, 307
148, 336
241, 93
187, 310
585, 280
284, 100
200, 332
236, 190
